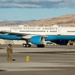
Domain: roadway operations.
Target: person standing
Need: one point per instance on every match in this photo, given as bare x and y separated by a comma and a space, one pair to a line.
9, 52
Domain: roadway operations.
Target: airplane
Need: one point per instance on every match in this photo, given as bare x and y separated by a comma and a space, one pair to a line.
38, 35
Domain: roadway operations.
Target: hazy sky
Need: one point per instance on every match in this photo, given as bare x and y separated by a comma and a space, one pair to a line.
34, 9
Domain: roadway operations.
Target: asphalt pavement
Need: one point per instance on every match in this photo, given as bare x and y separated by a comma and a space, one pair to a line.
51, 60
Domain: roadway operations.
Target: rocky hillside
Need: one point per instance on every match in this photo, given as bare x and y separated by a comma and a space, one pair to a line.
15, 22
66, 20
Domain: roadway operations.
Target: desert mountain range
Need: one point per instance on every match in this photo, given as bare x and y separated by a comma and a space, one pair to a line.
66, 20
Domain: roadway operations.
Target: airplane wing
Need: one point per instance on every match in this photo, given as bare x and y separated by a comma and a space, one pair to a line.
19, 34
12, 33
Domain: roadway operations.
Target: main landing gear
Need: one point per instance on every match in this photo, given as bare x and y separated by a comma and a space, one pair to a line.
27, 44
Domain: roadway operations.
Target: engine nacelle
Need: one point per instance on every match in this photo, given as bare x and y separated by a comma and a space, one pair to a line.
37, 40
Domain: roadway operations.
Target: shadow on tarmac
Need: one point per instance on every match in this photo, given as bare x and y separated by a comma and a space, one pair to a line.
2, 70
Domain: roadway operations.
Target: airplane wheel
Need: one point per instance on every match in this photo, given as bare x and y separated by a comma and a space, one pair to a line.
41, 46
26, 45
29, 45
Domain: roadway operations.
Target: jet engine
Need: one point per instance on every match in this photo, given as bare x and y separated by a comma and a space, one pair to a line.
38, 40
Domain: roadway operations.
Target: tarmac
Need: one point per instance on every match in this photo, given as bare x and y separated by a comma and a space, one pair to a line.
33, 66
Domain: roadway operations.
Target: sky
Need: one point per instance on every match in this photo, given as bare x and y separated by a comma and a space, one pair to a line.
35, 9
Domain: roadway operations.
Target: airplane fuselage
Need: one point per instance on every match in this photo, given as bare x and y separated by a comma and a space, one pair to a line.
38, 33
40, 30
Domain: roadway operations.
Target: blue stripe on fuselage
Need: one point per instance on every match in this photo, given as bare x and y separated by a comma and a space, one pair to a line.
60, 37
49, 38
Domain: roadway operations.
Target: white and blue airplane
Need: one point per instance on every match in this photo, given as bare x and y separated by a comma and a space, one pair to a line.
38, 35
